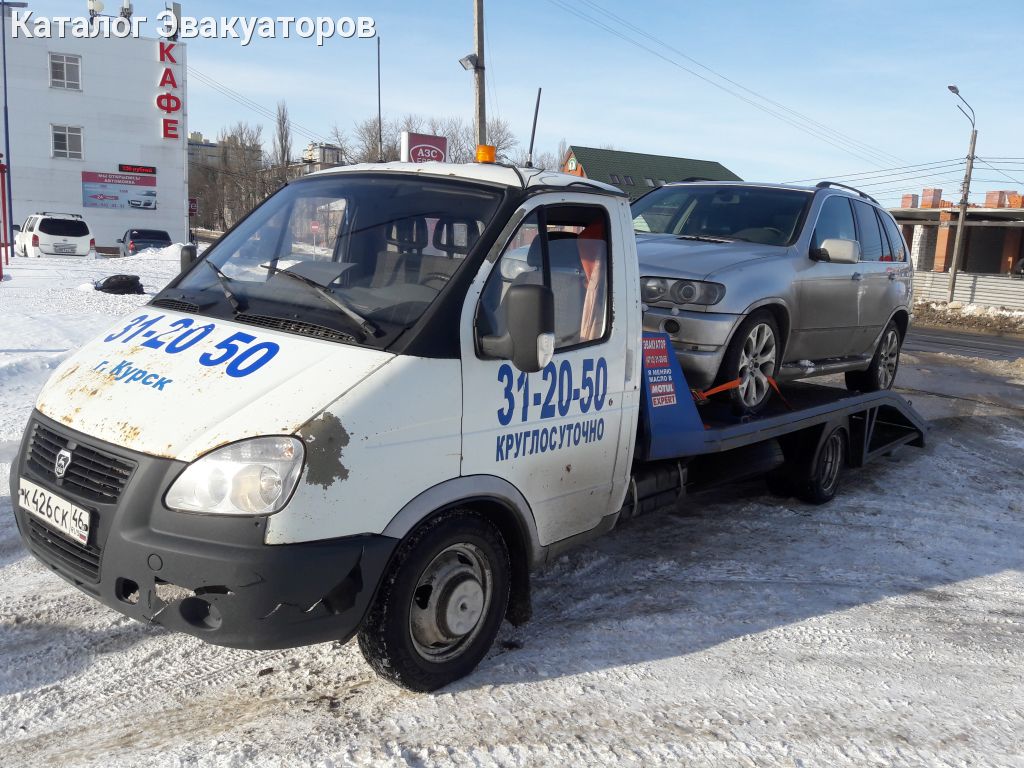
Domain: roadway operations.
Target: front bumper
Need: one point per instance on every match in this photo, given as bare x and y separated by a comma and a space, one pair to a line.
206, 575
698, 338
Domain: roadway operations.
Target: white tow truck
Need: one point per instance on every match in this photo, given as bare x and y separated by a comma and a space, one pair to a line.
377, 403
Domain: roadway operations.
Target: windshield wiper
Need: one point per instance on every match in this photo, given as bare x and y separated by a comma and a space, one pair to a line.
367, 326
225, 285
706, 238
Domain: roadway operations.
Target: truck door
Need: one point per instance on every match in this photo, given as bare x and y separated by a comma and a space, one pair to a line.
555, 434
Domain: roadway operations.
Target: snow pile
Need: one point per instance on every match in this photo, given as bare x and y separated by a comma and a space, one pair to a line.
970, 316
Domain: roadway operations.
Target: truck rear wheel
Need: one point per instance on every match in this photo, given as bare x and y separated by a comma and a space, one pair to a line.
818, 481
440, 604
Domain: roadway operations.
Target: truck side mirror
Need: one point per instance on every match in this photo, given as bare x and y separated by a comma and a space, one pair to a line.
188, 256
839, 251
529, 341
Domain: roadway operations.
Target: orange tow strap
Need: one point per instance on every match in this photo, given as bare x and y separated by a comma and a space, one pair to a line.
702, 397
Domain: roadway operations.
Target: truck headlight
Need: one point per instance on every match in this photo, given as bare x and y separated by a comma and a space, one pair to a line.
659, 289
253, 477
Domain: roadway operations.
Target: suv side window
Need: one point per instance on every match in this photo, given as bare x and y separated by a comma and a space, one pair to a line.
835, 220
899, 249
576, 270
868, 232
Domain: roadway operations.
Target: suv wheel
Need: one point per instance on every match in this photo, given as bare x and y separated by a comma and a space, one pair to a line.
752, 357
885, 363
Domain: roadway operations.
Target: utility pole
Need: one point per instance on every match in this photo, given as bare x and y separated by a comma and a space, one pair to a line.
960, 240
9, 234
478, 72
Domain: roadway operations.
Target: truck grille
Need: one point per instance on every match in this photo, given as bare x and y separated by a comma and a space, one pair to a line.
92, 474
55, 549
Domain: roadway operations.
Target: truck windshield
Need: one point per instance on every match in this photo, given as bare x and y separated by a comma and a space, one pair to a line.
367, 254
764, 215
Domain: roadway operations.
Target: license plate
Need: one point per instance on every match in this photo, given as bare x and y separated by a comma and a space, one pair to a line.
60, 514
63, 249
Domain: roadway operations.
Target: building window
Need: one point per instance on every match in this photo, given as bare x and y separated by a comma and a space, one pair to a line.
649, 182
67, 142
65, 71
616, 179
661, 182
629, 180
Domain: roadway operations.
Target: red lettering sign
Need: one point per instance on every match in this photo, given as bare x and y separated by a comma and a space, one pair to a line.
170, 128
168, 79
166, 52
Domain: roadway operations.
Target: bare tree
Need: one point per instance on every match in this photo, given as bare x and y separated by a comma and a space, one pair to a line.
282, 155
243, 181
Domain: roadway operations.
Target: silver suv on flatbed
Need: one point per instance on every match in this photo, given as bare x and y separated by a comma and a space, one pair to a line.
755, 282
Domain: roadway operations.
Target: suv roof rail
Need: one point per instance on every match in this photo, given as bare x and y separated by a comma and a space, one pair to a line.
56, 213
826, 184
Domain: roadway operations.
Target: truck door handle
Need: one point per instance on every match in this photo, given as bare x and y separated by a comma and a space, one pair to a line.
858, 276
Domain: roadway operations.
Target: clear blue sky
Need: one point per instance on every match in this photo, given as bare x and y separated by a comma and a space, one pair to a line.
874, 70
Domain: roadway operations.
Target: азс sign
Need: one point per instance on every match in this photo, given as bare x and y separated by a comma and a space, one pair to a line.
423, 148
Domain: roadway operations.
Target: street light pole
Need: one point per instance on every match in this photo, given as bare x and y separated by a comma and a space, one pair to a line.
960, 240
478, 72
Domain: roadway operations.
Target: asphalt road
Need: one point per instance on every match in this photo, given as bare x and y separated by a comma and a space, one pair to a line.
985, 346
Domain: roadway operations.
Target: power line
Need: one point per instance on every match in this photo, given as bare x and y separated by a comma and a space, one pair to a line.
999, 171
879, 172
816, 133
836, 134
254, 106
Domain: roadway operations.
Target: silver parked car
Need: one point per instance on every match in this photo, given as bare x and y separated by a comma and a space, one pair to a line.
754, 282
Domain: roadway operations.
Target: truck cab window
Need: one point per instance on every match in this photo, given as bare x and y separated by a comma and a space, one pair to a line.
577, 273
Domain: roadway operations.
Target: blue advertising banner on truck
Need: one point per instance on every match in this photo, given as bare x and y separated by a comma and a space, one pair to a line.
671, 425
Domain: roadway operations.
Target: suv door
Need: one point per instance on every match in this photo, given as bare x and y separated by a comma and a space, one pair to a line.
875, 302
827, 293
556, 435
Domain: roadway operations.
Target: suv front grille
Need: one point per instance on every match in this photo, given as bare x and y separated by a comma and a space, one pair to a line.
92, 474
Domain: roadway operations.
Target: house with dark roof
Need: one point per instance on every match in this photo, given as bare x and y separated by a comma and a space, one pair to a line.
637, 174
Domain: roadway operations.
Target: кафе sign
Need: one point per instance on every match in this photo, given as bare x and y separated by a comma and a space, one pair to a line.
168, 101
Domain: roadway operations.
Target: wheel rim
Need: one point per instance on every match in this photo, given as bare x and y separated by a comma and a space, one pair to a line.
450, 601
757, 364
831, 462
888, 358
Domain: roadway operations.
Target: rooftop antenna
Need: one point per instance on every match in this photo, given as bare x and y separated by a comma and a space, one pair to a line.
126, 9
533, 131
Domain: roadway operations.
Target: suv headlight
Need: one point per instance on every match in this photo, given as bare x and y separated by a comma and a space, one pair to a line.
659, 289
252, 477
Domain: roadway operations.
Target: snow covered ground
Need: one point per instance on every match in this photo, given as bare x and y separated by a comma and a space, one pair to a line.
885, 628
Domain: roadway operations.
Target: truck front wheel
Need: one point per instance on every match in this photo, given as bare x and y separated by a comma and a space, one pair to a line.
440, 603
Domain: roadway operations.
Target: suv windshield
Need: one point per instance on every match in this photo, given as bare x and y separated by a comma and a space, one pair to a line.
63, 227
753, 214
364, 251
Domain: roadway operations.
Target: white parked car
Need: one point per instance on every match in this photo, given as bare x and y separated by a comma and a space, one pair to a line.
54, 234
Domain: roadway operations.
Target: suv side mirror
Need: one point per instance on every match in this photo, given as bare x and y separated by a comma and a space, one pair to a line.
529, 341
188, 256
17, 227
839, 251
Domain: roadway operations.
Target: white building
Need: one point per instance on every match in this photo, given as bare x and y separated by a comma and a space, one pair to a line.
91, 132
